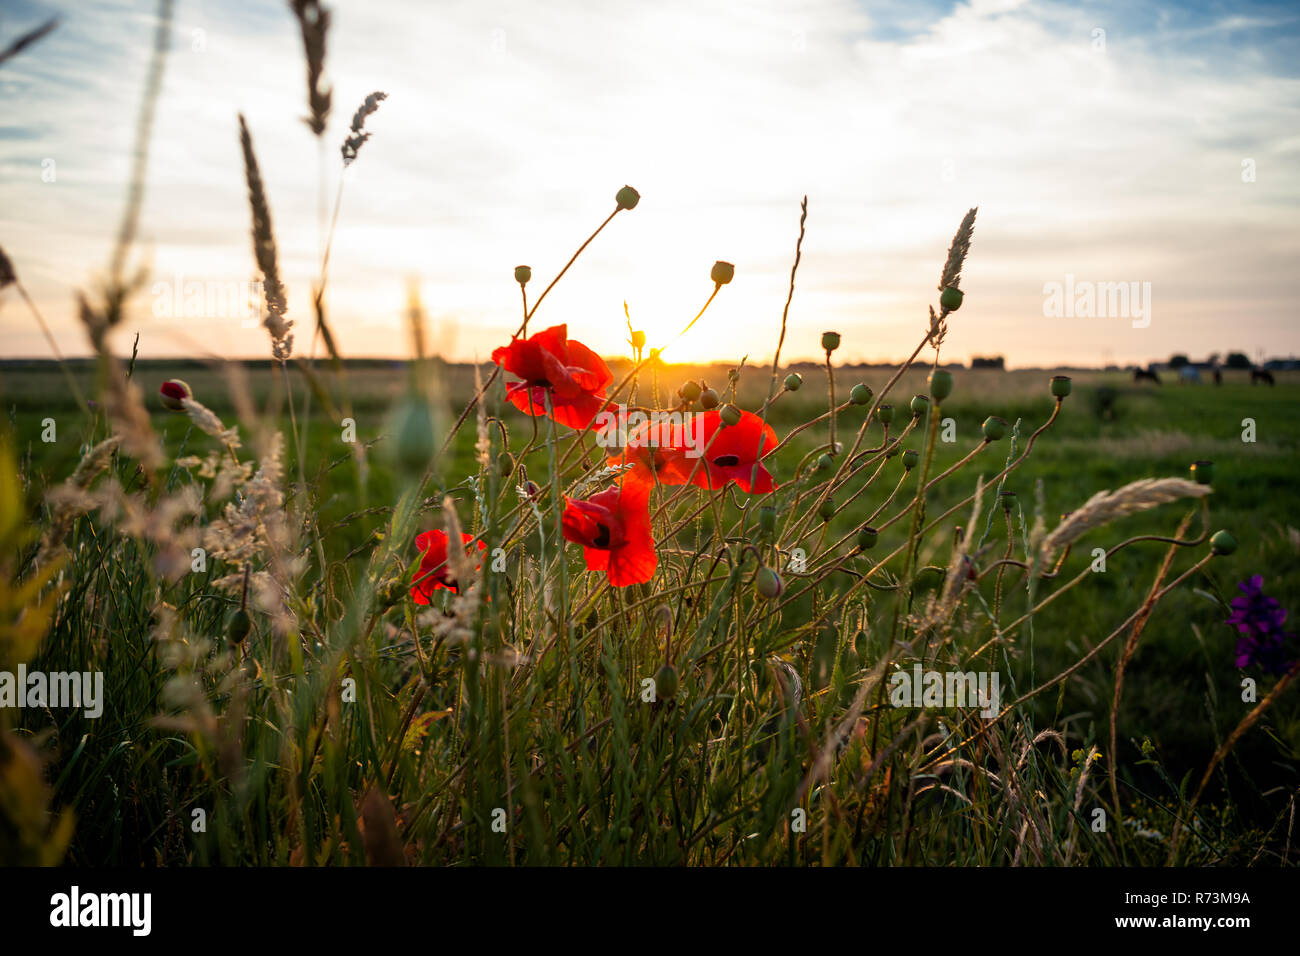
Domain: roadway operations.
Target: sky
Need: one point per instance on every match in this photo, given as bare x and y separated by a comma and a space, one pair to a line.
1154, 145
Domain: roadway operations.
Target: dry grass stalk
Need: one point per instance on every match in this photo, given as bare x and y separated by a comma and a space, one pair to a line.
1107, 506
957, 252
264, 252
314, 22
357, 138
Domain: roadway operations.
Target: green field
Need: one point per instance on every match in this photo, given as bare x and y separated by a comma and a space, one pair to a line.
1182, 691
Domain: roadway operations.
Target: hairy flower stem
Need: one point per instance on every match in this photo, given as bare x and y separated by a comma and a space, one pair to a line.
830, 400
557, 504
918, 519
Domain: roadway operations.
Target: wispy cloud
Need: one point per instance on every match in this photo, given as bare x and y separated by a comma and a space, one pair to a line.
1111, 156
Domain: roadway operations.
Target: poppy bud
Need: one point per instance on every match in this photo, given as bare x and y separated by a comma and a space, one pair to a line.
910, 458
885, 413
627, 198
830, 341
708, 398
505, 464
793, 381
1223, 543
1007, 499
994, 428
690, 391
1060, 385
638, 339
531, 489
767, 519
867, 537
768, 584
861, 394
940, 384
722, 272
950, 299
173, 394
239, 627
730, 415
920, 404
666, 682
523, 274
1203, 472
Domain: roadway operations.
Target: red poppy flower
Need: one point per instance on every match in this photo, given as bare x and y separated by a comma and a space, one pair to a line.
434, 572
613, 528
553, 365
734, 453
661, 453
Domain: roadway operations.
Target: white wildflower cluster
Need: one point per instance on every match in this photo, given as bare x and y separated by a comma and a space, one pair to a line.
209, 423
257, 528
165, 523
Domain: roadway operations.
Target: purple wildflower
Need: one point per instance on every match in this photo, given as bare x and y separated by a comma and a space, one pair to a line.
1259, 619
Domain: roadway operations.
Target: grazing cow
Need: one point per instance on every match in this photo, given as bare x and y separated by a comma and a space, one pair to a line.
1190, 375
1145, 374
1258, 375
1218, 376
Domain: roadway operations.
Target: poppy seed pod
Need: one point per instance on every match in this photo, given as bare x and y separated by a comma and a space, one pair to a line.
910, 458
730, 415
940, 384
722, 272
627, 198
995, 428
666, 682
893, 449
920, 405
413, 427
690, 391
885, 413
708, 398
239, 627
930, 576
1223, 543
1203, 472
767, 519
867, 537
826, 510
1060, 385
793, 381
951, 298
768, 583
523, 274
1007, 499
860, 395
830, 341
173, 393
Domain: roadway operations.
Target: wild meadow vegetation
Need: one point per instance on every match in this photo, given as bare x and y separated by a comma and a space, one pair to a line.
424, 613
